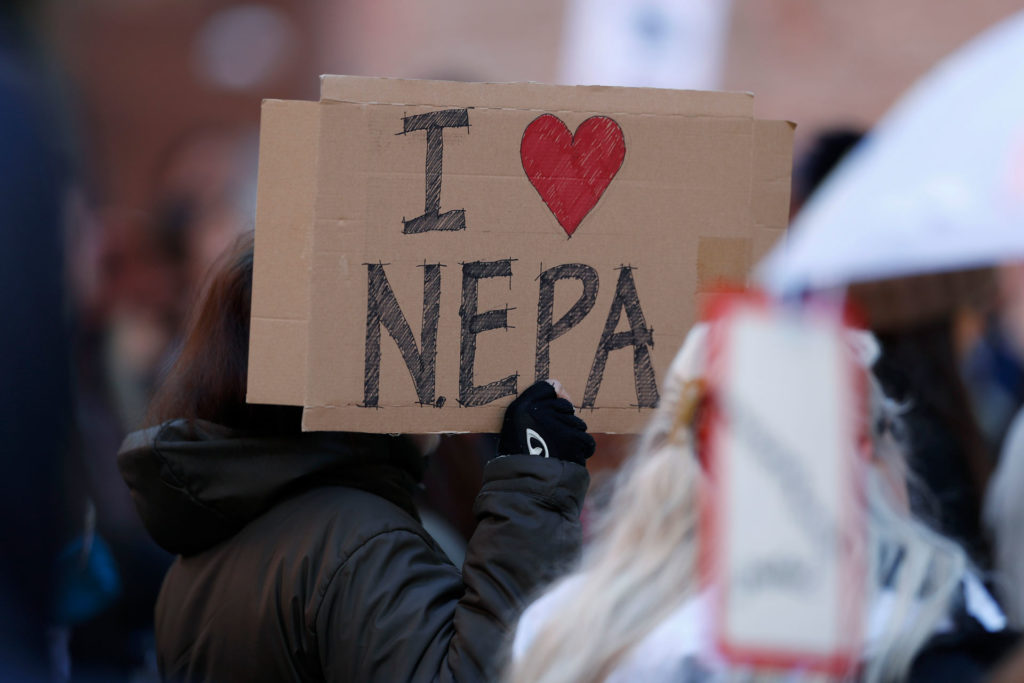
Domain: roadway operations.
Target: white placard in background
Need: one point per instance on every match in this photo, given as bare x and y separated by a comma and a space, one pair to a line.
783, 532
655, 43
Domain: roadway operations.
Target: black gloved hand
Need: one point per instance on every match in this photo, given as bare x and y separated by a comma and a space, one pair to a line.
540, 423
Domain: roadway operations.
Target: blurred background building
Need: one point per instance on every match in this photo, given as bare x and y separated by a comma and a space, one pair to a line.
146, 72
163, 99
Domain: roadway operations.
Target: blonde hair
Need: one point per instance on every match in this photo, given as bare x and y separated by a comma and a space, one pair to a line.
641, 565
930, 565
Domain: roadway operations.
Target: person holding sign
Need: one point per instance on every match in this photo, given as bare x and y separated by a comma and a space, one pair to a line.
651, 617
301, 555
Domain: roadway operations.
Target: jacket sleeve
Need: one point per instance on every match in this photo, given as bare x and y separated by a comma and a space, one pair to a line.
397, 610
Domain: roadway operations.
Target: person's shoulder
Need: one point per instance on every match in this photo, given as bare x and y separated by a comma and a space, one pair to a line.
323, 526
289, 557
345, 510
677, 644
540, 611
679, 648
316, 532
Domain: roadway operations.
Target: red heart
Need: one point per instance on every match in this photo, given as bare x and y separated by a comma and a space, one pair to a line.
571, 172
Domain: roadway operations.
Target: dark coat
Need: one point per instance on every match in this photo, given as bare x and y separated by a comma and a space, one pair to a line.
303, 559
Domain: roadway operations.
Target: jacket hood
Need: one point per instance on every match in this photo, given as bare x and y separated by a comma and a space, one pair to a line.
196, 483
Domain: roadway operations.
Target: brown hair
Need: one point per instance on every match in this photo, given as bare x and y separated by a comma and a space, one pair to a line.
208, 378
920, 368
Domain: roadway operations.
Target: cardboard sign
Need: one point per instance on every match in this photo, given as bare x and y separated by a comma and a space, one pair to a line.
783, 537
426, 250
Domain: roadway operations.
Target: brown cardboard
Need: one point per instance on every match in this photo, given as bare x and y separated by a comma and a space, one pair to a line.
773, 166
537, 96
701, 190
289, 134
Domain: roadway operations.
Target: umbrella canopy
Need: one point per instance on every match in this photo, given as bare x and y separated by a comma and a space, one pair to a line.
938, 186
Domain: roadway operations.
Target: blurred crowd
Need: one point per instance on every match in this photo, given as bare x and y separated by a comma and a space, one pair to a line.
96, 291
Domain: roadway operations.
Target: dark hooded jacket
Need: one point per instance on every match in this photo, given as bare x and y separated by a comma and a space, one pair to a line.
302, 558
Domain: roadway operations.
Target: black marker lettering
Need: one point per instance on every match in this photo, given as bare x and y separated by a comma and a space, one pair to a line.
547, 331
434, 123
639, 336
382, 309
473, 323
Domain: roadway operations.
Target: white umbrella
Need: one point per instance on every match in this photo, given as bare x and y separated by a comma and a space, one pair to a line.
937, 186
